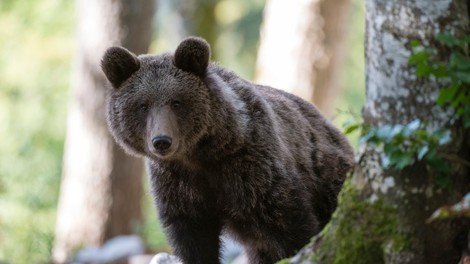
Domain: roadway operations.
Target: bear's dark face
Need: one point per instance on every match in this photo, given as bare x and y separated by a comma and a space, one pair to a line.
159, 104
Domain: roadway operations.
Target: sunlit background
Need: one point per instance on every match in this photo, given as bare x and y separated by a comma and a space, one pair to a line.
37, 42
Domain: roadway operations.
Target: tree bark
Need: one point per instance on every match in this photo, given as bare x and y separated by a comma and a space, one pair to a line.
396, 96
101, 185
382, 213
303, 56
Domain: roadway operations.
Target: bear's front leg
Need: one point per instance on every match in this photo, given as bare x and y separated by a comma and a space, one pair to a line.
195, 241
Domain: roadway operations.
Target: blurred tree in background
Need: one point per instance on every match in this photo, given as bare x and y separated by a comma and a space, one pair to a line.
303, 54
230, 26
37, 43
102, 186
198, 17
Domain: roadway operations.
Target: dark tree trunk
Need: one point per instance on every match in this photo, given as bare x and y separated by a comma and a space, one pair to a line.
382, 213
101, 186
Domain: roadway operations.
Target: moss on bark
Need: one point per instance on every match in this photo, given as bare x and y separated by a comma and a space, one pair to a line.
361, 230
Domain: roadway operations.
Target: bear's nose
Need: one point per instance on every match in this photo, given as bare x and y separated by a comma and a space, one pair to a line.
161, 143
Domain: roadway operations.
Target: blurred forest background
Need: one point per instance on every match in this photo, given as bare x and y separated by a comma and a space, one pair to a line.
38, 43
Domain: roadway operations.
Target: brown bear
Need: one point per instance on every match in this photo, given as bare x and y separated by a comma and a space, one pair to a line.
225, 155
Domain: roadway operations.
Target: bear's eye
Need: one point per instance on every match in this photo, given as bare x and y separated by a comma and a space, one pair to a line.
175, 104
144, 107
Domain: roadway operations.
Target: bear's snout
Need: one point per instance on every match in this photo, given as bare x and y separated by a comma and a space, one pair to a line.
161, 143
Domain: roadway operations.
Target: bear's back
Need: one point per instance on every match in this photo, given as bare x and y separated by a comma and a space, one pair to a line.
320, 153
292, 115
328, 157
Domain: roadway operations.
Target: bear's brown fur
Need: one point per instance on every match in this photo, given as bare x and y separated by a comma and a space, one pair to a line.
225, 155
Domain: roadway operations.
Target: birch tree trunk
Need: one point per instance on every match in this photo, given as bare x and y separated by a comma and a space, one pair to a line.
382, 213
101, 187
301, 48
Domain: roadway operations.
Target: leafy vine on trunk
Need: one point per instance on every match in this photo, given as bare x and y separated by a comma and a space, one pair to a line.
404, 145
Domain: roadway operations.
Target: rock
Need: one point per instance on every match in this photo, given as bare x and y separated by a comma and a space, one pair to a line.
140, 259
231, 250
87, 254
114, 250
232, 253
165, 258
122, 247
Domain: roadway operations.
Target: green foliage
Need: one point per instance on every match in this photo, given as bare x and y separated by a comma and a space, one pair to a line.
405, 145
453, 69
239, 30
36, 43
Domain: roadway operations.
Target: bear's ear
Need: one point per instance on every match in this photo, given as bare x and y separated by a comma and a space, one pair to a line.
118, 64
193, 55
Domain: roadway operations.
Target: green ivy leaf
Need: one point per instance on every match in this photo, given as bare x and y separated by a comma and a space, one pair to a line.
440, 71
443, 136
458, 61
465, 40
463, 76
406, 132
466, 117
461, 99
465, 98
391, 148
446, 95
384, 131
351, 128
423, 70
423, 151
405, 160
395, 133
418, 57
369, 136
400, 159
415, 43
447, 39
414, 125
422, 135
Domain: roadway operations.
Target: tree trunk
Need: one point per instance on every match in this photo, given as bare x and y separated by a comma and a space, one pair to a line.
382, 213
303, 55
101, 185
198, 17
396, 96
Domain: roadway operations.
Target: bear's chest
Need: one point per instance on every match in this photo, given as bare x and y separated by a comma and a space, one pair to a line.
185, 192
229, 192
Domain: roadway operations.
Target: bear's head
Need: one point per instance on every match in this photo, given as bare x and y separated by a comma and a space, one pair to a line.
159, 104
